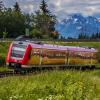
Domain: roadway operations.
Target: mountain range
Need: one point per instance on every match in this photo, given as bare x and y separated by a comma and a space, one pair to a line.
76, 24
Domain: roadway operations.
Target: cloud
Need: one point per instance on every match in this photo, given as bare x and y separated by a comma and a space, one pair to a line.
61, 8
8, 3
67, 7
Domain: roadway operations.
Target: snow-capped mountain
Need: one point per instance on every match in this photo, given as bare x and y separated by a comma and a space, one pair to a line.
75, 24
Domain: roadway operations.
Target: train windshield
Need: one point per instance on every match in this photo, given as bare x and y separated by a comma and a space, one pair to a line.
18, 50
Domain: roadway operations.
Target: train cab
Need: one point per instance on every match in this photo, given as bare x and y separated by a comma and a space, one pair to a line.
18, 54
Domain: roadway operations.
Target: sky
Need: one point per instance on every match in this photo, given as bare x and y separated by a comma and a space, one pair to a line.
61, 8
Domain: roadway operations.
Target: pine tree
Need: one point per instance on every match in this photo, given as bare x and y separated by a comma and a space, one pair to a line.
92, 36
1, 5
43, 7
45, 21
80, 36
17, 7
99, 35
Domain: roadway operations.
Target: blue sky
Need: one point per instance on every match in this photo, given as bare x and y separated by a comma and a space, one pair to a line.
61, 8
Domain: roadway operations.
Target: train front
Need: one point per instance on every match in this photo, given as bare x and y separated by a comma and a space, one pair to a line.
18, 54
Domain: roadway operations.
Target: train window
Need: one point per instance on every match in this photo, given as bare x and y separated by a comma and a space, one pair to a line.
35, 51
73, 53
94, 55
85, 55
55, 54
19, 46
39, 52
18, 50
16, 53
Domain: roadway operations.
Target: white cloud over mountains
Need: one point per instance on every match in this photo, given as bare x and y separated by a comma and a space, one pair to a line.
61, 8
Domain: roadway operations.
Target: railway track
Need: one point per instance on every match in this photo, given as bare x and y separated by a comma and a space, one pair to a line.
21, 72
6, 74
17, 73
11, 73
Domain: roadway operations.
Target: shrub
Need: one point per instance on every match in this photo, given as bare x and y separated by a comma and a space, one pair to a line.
2, 60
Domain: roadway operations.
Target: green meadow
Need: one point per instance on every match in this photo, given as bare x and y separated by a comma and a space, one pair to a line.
55, 85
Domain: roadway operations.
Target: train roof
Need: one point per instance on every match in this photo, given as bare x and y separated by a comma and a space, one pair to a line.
57, 47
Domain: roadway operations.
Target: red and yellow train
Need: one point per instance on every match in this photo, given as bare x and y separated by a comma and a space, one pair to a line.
23, 54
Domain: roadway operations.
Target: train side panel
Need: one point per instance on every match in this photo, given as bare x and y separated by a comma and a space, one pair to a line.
47, 57
82, 58
56, 57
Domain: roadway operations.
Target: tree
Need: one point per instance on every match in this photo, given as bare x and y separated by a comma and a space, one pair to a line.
43, 7
83, 36
28, 21
95, 36
5, 34
17, 7
35, 33
13, 21
1, 35
55, 35
17, 24
44, 21
1, 5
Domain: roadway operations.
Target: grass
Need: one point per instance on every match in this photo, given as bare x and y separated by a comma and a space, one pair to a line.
57, 85
5, 69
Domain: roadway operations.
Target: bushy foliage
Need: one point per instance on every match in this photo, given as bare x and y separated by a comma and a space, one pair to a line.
4, 34
3, 52
36, 33
14, 22
2, 60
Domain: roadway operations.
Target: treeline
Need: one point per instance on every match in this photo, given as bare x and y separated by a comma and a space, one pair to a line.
13, 22
93, 36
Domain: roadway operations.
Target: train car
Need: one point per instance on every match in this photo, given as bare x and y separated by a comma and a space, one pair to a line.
29, 54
